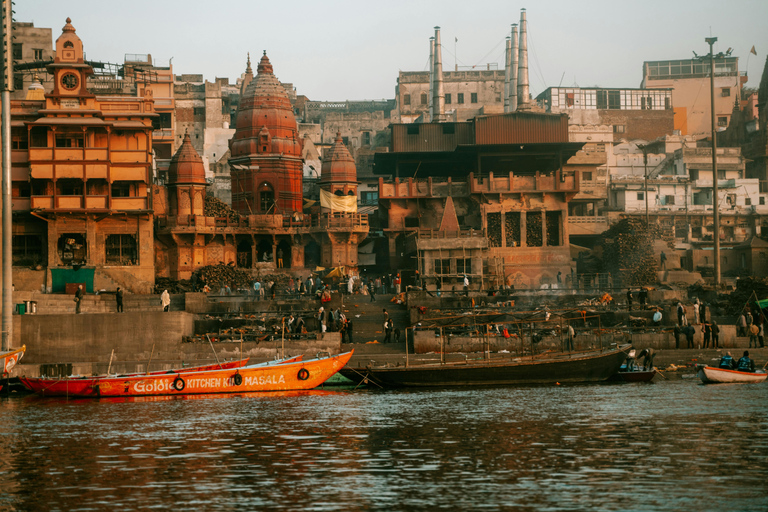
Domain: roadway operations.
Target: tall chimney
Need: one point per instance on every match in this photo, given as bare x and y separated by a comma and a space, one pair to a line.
431, 109
513, 75
522, 70
507, 74
438, 100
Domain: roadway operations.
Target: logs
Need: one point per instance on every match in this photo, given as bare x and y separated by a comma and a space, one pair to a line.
214, 207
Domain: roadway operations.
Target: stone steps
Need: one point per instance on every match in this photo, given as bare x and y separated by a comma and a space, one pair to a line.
369, 325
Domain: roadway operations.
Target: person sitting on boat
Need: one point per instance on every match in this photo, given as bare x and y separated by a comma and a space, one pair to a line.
745, 364
647, 354
630, 362
727, 362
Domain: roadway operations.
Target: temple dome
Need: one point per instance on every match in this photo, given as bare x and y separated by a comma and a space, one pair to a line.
265, 121
338, 164
186, 166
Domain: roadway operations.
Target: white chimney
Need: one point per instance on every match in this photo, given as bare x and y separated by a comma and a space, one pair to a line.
507, 73
438, 101
431, 108
522, 70
513, 76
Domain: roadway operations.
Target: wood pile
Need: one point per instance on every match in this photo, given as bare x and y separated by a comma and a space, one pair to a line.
628, 251
214, 207
494, 229
533, 229
512, 228
219, 275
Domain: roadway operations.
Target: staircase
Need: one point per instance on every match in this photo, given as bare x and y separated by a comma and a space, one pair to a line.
369, 325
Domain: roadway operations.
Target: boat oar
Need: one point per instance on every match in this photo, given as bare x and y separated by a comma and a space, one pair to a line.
150, 357
110, 361
214, 350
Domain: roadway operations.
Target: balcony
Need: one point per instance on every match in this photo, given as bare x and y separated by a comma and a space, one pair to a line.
129, 203
96, 202
132, 156
41, 202
69, 202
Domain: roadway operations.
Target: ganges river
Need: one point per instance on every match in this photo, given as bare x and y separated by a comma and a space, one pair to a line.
672, 445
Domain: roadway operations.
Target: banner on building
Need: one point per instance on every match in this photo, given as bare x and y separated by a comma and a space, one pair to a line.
338, 203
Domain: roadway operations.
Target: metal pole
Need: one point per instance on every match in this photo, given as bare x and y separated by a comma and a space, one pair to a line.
5, 98
645, 172
715, 205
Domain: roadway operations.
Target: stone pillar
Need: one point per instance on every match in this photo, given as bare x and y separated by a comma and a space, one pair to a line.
523, 230
503, 229
543, 228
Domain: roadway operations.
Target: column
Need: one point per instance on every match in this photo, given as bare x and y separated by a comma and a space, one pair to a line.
523, 229
543, 228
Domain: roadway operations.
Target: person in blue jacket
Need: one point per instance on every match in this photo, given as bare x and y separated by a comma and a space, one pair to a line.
727, 362
745, 364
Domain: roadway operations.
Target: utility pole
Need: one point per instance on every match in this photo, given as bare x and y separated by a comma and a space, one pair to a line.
644, 149
715, 205
5, 98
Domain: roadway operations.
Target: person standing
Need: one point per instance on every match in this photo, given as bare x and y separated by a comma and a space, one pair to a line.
677, 332
466, 285
703, 313
741, 323
165, 300
663, 260
79, 294
373, 292
629, 299
647, 354
690, 332
571, 334
680, 314
559, 278
350, 285
707, 332
397, 284
257, 289
349, 330
388, 328
715, 334
280, 258
753, 332
696, 312
119, 299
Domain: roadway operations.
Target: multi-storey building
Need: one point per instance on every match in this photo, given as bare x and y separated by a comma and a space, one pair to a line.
689, 80
81, 180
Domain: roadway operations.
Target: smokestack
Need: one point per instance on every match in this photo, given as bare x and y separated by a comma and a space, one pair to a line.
431, 109
513, 73
507, 74
438, 100
522, 70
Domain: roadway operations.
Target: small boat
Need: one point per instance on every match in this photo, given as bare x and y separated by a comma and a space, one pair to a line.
634, 374
712, 375
79, 386
591, 366
10, 359
272, 376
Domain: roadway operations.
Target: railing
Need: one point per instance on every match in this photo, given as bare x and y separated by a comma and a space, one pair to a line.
433, 234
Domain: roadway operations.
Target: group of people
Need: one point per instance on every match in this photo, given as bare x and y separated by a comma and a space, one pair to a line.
642, 298
744, 364
331, 320
752, 325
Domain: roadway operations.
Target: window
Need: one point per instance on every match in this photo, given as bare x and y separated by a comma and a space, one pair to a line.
406, 99
762, 200
120, 249
70, 187
618, 128
19, 138
18, 81
121, 189
602, 100
569, 99
640, 196
366, 139
369, 197
460, 98
600, 147
266, 197
423, 98
669, 199
646, 103
443, 266
725, 92
614, 100
38, 54
448, 98
722, 121
473, 97
463, 266
720, 174
412, 129
27, 250
199, 111
162, 121
17, 53
69, 140
586, 176
748, 201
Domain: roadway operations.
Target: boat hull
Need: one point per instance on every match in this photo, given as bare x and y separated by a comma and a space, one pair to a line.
10, 359
83, 386
711, 375
568, 368
301, 375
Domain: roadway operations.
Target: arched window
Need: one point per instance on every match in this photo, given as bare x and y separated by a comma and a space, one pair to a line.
423, 98
266, 197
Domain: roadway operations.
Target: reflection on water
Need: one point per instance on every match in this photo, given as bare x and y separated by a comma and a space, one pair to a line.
668, 446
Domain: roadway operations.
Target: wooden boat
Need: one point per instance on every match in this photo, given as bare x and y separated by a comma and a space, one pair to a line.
11, 358
712, 375
79, 386
264, 377
593, 366
635, 374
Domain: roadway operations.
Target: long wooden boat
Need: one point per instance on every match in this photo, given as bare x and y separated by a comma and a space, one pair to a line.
266, 377
82, 386
593, 366
712, 375
11, 358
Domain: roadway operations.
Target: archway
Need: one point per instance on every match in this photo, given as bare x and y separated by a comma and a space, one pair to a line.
264, 249
284, 250
266, 198
244, 253
311, 254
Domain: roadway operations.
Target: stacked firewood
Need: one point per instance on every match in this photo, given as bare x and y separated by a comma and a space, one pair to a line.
512, 228
533, 229
218, 275
215, 207
494, 229
628, 251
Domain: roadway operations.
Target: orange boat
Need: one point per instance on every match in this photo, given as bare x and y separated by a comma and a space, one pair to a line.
84, 386
269, 377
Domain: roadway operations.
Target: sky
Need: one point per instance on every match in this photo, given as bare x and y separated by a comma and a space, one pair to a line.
336, 50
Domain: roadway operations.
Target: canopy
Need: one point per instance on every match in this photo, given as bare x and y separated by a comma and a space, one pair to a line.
338, 203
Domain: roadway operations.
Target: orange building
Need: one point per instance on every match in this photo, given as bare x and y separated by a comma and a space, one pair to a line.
81, 175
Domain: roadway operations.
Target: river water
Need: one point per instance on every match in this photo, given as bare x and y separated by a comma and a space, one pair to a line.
667, 446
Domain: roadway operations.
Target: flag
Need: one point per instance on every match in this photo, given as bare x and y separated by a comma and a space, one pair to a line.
752, 51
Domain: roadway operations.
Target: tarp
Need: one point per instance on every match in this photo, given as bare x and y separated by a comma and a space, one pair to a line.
762, 303
338, 203
336, 272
